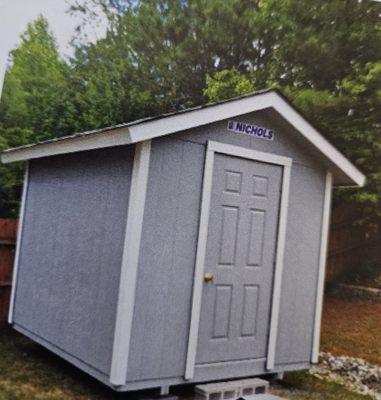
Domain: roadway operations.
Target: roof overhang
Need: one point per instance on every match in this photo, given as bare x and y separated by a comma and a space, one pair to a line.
151, 128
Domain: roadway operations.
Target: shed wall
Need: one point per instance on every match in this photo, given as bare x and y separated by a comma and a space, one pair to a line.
167, 260
170, 229
71, 250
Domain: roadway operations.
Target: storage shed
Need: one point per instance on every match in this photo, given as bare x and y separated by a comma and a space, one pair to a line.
188, 247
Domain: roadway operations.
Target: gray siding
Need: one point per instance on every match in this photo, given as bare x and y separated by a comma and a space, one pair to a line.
169, 239
167, 259
71, 251
72, 247
297, 305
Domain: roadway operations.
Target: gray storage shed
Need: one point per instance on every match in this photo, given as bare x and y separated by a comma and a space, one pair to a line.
188, 247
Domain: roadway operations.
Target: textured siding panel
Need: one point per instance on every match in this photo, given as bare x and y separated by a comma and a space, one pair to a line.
297, 306
167, 258
163, 302
74, 230
71, 251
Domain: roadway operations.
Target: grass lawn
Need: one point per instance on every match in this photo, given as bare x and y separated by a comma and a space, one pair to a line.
28, 371
352, 329
303, 386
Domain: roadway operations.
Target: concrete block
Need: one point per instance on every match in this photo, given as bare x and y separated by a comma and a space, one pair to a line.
249, 387
217, 391
232, 389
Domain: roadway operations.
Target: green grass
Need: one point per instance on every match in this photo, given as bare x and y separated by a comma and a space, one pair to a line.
28, 371
303, 386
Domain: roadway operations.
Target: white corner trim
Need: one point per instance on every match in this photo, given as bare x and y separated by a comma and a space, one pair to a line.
281, 241
166, 125
199, 267
217, 147
129, 267
18, 245
322, 266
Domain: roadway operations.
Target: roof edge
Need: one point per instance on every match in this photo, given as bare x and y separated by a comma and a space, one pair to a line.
150, 128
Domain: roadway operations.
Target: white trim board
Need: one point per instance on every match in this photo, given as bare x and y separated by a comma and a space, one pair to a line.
150, 129
199, 267
322, 266
212, 148
282, 224
129, 267
18, 245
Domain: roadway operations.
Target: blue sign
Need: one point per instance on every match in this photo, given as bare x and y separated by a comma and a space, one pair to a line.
251, 130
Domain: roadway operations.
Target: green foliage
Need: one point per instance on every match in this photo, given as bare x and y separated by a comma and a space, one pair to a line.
300, 385
368, 275
348, 115
164, 55
226, 84
166, 49
349, 119
34, 104
11, 175
35, 86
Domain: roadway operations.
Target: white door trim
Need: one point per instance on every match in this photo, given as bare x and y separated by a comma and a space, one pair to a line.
322, 266
129, 267
18, 245
278, 273
212, 148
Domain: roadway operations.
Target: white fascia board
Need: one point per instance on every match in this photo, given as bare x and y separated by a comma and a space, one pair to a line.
315, 138
151, 129
219, 112
116, 137
141, 131
203, 116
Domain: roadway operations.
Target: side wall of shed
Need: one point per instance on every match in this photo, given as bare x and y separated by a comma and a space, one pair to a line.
169, 239
71, 251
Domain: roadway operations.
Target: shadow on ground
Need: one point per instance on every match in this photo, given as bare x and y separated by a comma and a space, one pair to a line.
29, 371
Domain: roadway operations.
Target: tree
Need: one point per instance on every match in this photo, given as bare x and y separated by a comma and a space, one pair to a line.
349, 117
165, 55
226, 84
35, 85
318, 42
34, 105
170, 46
11, 175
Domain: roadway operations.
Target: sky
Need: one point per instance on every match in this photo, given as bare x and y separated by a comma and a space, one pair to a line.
16, 14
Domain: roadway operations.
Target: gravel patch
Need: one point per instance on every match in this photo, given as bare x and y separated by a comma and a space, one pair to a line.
354, 373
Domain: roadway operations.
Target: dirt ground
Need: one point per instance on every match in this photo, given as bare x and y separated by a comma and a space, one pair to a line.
28, 371
352, 328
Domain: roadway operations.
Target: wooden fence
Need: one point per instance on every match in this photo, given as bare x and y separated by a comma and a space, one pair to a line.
350, 245
8, 232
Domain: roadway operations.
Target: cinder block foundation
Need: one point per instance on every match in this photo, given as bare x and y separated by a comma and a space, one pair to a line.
231, 390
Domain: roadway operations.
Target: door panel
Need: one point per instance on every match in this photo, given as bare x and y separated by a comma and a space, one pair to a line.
240, 253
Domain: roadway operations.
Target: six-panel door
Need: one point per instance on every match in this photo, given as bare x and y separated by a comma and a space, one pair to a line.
239, 260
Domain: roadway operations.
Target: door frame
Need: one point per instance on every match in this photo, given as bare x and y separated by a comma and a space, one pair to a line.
228, 149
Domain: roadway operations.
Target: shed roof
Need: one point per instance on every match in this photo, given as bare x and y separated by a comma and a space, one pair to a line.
148, 128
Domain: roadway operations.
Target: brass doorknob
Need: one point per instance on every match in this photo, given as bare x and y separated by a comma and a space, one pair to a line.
208, 277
